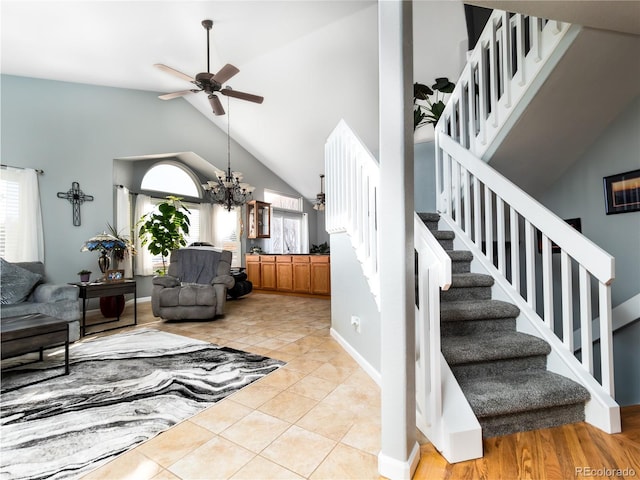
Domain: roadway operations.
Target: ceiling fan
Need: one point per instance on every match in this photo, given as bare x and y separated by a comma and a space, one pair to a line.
209, 82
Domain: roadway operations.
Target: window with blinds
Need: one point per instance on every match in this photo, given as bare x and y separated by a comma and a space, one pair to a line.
9, 215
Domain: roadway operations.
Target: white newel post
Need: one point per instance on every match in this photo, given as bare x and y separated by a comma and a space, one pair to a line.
399, 452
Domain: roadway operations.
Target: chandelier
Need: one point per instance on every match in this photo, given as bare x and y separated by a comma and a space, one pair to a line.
319, 202
228, 189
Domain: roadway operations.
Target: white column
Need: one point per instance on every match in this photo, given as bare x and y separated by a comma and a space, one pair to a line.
399, 452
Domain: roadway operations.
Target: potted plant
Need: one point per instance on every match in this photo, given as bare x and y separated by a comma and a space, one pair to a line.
428, 103
321, 249
165, 228
122, 250
85, 275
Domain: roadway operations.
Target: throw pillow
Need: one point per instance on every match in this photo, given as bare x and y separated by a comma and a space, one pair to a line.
17, 282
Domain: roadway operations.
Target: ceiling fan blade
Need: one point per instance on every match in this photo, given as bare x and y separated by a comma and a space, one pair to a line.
174, 72
225, 73
216, 104
169, 96
242, 95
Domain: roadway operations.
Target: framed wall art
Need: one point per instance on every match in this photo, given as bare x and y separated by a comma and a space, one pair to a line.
622, 192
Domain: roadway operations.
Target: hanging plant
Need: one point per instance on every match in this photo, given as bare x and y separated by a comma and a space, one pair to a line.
429, 103
165, 229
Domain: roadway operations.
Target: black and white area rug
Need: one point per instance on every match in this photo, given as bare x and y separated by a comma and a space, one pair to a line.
122, 390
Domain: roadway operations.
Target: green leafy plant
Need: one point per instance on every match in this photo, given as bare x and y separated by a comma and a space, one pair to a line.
119, 251
322, 248
84, 272
428, 103
165, 229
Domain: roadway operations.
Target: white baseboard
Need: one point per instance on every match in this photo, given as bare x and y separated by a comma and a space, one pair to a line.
395, 469
360, 360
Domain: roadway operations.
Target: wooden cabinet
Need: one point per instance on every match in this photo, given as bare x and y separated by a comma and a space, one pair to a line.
284, 273
320, 275
253, 270
268, 272
258, 219
303, 274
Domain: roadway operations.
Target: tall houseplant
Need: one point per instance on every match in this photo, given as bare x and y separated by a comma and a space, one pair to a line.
428, 103
165, 229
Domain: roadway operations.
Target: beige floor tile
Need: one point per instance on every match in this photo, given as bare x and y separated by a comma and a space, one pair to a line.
328, 420
346, 463
175, 443
165, 475
256, 431
272, 343
294, 349
313, 387
332, 373
362, 403
364, 435
217, 459
255, 394
131, 465
221, 415
288, 406
252, 339
304, 365
281, 378
299, 450
262, 469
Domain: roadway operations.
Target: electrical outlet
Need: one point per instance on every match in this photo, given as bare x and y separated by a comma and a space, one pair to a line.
355, 323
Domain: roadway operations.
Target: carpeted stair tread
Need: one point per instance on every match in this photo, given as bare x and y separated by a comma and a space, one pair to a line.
477, 310
514, 393
466, 280
429, 217
460, 255
443, 234
490, 347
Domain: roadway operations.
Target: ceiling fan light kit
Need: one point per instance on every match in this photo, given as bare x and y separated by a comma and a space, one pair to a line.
320, 198
210, 83
227, 189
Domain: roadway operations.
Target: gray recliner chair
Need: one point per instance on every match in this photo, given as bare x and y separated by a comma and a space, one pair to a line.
195, 287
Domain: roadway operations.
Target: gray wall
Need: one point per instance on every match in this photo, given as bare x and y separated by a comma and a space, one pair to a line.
350, 295
75, 131
579, 193
424, 168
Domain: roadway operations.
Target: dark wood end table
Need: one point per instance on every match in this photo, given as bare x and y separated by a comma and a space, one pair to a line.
33, 333
106, 289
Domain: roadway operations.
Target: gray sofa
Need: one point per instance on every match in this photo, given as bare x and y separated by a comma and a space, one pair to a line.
25, 291
195, 287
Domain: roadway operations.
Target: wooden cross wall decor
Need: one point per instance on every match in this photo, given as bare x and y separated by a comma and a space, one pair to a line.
77, 197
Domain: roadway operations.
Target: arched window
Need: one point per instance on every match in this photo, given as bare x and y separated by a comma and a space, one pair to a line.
170, 178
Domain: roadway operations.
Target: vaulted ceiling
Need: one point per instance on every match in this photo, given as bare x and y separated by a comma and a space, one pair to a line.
315, 62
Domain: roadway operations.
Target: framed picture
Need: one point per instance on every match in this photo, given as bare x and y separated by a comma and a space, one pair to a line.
114, 276
622, 192
574, 222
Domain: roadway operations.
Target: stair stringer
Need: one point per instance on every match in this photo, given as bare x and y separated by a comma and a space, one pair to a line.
601, 410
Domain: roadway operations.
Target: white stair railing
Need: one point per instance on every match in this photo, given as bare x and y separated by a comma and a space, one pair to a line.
504, 69
443, 413
352, 181
516, 238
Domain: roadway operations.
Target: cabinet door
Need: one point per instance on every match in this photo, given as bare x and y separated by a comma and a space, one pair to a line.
302, 276
284, 274
253, 270
268, 273
320, 275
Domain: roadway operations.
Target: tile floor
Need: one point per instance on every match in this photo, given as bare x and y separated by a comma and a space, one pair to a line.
318, 417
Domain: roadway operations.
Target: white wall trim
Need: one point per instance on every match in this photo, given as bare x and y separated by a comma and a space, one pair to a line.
624, 314
395, 469
360, 360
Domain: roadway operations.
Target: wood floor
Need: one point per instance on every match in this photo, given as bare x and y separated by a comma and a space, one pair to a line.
569, 452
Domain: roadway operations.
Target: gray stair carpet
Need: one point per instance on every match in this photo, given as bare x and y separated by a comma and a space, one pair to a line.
502, 372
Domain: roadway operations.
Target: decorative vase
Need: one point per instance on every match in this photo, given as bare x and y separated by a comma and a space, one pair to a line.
112, 306
104, 261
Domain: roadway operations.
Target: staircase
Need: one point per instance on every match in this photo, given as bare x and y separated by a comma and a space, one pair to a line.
501, 372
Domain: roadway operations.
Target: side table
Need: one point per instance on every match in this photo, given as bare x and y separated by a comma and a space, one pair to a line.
106, 289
